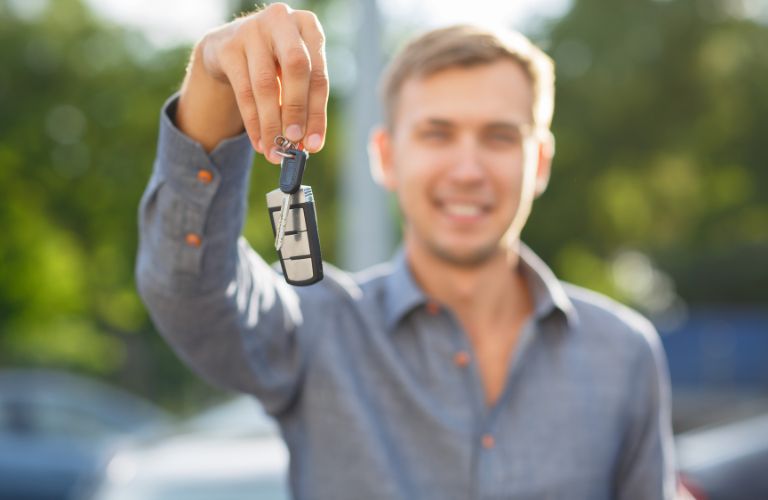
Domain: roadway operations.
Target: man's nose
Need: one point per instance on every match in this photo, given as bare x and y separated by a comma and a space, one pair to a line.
467, 165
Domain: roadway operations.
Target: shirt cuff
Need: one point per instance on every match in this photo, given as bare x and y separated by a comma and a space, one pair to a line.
195, 174
193, 210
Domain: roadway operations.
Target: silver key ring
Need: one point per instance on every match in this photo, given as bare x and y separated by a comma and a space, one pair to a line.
284, 144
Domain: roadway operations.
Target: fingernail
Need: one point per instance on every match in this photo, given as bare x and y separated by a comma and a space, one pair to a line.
259, 146
273, 156
293, 133
314, 142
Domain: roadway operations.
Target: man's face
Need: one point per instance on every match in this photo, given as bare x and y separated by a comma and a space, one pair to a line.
463, 160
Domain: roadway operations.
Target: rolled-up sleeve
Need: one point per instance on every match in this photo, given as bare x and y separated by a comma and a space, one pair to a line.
226, 313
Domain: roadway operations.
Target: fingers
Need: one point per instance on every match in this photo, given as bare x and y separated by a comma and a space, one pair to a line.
275, 63
314, 38
293, 58
266, 94
304, 79
240, 81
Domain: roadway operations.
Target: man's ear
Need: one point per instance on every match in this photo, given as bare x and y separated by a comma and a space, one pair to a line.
544, 167
380, 158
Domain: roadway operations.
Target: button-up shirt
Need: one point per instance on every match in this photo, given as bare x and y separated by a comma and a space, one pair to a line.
375, 387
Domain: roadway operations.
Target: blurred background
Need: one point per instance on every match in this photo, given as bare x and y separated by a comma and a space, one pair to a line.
659, 198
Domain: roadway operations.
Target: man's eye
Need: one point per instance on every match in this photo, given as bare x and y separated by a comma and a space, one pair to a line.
435, 134
505, 138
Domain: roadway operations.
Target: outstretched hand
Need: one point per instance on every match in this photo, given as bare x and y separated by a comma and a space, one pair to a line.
265, 72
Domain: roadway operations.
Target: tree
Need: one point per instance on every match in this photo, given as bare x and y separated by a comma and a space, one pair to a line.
80, 103
660, 120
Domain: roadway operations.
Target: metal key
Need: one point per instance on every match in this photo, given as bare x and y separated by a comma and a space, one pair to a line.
291, 173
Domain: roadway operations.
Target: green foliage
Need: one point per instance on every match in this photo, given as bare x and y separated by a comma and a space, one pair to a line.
661, 117
77, 135
80, 102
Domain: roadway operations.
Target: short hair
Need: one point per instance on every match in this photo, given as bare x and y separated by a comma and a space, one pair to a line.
465, 46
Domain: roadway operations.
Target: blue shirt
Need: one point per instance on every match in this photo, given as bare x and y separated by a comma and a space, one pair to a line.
375, 388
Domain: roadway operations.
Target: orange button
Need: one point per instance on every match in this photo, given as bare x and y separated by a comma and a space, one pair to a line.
204, 176
488, 441
433, 307
193, 240
461, 359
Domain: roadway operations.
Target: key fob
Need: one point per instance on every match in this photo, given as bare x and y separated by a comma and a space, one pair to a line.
292, 170
300, 254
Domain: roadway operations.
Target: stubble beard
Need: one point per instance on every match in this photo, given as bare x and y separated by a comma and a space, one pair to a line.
470, 259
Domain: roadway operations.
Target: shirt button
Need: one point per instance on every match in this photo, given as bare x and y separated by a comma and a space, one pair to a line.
433, 307
204, 176
193, 240
461, 359
488, 441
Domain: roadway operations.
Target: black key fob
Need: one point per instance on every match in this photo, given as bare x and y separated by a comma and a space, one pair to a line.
292, 170
300, 251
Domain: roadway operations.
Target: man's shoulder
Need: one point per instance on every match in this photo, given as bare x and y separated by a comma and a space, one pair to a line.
336, 285
339, 285
374, 277
609, 325
596, 309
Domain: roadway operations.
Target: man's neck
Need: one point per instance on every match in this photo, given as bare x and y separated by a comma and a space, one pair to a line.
480, 295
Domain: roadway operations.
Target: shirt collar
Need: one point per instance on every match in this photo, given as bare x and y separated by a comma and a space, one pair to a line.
403, 294
546, 290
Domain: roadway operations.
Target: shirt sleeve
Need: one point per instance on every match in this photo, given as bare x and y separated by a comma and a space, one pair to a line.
646, 466
224, 311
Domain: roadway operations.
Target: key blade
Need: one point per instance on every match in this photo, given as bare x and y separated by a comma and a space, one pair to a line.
283, 221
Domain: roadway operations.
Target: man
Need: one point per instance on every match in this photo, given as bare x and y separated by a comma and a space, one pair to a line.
462, 369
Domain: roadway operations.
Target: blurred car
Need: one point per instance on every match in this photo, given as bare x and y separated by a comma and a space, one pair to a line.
726, 462
233, 451
54, 428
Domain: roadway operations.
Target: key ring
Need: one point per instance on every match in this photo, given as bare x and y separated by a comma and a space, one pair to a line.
284, 144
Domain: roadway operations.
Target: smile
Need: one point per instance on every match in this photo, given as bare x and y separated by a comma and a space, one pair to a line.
463, 211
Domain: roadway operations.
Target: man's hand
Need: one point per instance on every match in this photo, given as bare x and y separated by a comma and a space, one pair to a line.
265, 72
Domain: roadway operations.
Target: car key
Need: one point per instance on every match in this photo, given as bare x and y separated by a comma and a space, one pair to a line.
291, 173
294, 220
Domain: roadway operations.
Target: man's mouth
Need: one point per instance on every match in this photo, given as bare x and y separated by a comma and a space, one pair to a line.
464, 210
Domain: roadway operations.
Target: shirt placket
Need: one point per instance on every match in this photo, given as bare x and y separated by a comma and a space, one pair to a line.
487, 420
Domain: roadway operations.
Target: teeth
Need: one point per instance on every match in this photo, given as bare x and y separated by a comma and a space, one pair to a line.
462, 209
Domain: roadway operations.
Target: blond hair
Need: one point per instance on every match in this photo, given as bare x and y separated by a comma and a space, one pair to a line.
467, 46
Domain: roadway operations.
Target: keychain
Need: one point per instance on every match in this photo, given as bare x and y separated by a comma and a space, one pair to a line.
294, 220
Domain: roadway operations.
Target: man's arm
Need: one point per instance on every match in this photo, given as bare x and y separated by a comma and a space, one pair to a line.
219, 305
265, 72
646, 466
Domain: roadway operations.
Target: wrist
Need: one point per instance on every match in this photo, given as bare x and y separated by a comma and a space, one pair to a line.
207, 110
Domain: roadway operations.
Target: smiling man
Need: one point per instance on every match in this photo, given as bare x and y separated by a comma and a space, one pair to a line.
461, 369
